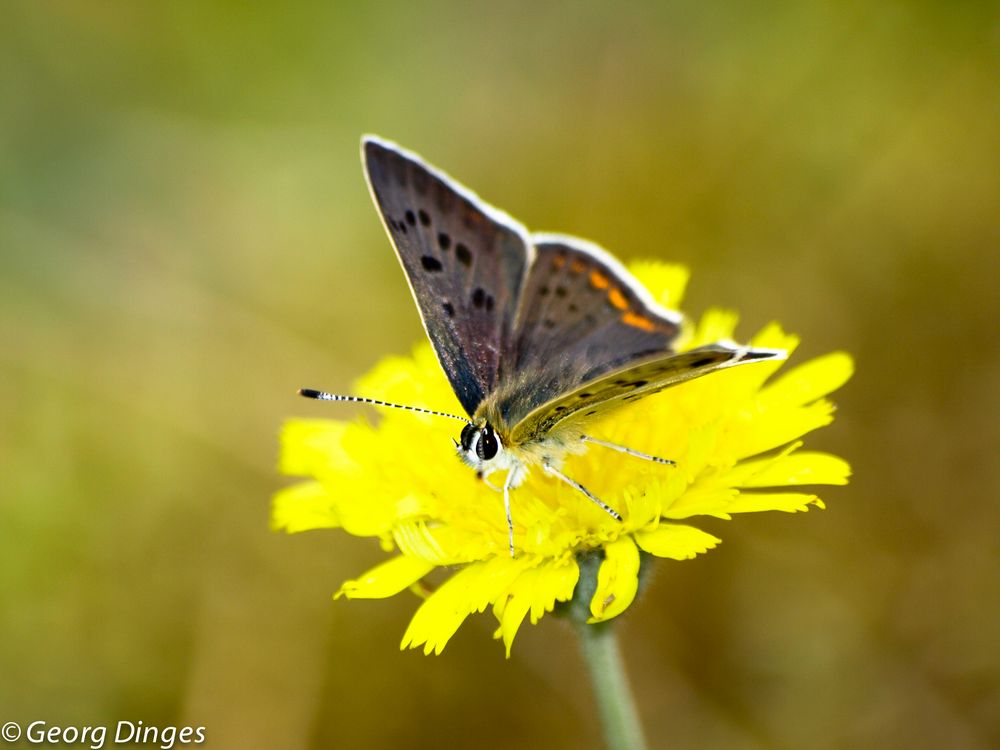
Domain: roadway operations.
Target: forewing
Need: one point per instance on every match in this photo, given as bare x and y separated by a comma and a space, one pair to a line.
594, 398
465, 262
581, 315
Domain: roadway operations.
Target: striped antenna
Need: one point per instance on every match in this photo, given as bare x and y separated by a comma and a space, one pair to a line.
324, 396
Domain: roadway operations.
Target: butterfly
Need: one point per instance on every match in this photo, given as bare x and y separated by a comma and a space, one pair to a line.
538, 334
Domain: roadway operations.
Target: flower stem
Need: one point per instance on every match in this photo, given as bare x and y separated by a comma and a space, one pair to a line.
619, 716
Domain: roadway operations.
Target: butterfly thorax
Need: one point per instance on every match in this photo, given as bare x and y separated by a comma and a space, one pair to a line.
487, 445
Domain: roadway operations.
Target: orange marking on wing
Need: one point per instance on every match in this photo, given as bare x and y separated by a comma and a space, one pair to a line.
638, 321
577, 266
618, 299
559, 261
598, 280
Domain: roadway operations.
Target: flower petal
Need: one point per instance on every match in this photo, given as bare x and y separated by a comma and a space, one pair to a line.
470, 590
536, 591
776, 427
667, 281
617, 580
386, 579
312, 446
789, 502
676, 541
804, 467
303, 506
809, 381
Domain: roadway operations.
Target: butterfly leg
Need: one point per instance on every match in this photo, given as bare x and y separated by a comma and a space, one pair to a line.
550, 469
629, 451
506, 507
485, 480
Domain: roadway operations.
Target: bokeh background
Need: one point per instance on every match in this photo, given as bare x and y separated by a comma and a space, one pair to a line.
186, 238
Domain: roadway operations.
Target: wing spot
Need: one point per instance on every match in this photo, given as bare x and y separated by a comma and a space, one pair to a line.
463, 255
577, 266
559, 261
411, 219
489, 302
449, 309
479, 297
598, 280
638, 321
444, 241
704, 361
560, 291
560, 408
424, 218
543, 290
402, 227
617, 299
549, 323
430, 263
637, 383
573, 308
591, 413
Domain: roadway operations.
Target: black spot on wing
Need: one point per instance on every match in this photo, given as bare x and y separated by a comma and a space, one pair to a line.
424, 218
430, 263
463, 254
449, 309
479, 297
411, 218
444, 241
705, 361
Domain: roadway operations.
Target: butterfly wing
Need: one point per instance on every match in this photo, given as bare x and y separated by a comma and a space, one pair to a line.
632, 382
465, 262
581, 315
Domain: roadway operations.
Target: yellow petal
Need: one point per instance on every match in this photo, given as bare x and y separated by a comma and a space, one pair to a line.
303, 506
536, 591
789, 502
776, 427
704, 498
772, 336
809, 381
715, 325
470, 590
804, 467
676, 541
666, 281
617, 580
312, 446
387, 579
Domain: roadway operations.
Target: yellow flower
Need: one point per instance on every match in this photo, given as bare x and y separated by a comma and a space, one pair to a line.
734, 435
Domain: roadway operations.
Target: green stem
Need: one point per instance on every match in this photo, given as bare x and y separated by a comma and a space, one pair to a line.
619, 716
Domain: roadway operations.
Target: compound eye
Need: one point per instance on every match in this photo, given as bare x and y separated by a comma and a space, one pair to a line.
468, 433
488, 444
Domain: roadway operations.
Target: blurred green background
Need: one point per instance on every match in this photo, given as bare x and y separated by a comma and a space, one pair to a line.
186, 238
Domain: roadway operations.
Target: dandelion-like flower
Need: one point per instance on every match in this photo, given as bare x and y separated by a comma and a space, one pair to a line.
734, 435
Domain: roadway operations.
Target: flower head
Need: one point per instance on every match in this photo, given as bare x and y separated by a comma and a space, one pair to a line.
734, 436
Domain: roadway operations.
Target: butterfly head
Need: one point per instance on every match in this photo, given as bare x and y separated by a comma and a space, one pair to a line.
481, 448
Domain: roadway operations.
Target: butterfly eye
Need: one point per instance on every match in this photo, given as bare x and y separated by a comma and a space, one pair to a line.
488, 444
469, 432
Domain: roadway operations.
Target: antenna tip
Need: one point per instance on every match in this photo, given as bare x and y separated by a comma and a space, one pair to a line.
308, 393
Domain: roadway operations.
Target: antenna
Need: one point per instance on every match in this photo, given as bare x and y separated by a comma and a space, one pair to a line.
324, 396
